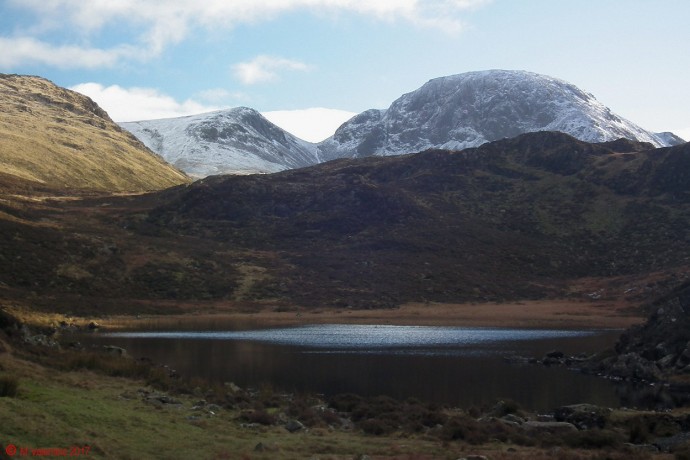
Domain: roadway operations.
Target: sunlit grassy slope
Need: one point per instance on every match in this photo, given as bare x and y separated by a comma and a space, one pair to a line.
60, 138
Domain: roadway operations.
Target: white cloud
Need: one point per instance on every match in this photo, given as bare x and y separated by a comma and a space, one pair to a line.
265, 68
134, 104
22, 50
161, 24
313, 124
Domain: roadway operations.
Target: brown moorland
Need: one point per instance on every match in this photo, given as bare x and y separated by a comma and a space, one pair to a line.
318, 253
62, 139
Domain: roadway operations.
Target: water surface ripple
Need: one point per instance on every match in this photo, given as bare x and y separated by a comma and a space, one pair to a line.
342, 336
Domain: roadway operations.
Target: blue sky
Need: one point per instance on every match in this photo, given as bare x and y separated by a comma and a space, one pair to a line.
152, 59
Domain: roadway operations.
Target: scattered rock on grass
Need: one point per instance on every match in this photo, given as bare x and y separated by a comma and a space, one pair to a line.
293, 426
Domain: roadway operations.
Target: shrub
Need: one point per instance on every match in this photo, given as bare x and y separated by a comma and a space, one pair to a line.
346, 402
9, 386
682, 452
299, 408
638, 432
259, 416
592, 439
464, 428
377, 427
503, 408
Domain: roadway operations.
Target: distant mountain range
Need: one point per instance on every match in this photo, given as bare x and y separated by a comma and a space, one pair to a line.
470, 109
238, 141
51, 136
454, 112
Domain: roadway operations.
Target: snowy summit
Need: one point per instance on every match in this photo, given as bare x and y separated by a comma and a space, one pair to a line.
454, 112
470, 109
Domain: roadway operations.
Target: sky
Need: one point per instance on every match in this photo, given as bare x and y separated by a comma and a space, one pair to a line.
309, 65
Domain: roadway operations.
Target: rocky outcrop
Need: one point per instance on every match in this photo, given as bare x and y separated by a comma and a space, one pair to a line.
660, 348
583, 416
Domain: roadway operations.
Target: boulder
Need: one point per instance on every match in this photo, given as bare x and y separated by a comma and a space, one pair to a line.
41, 340
160, 399
113, 350
555, 354
512, 419
667, 361
670, 443
293, 426
213, 408
583, 416
684, 358
232, 387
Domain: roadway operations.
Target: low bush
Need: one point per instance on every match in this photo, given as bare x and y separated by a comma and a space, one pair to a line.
115, 366
346, 402
383, 414
300, 409
638, 431
259, 416
465, 429
682, 452
9, 386
592, 439
377, 427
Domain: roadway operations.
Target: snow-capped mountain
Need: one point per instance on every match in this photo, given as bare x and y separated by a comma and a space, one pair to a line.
234, 141
469, 109
670, 139
454, 112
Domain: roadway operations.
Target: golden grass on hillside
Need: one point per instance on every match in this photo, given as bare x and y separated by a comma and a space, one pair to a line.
62, 139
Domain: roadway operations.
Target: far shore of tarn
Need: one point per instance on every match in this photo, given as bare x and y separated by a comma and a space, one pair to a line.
537, 314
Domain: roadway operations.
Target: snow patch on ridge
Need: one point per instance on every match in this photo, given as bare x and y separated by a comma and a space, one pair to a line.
234, 141
454, 112
467, 110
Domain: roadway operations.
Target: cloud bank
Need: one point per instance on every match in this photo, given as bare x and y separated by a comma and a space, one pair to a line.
162, 24
135, 104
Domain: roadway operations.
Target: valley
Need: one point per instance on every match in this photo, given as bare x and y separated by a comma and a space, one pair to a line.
516, 220
539, 231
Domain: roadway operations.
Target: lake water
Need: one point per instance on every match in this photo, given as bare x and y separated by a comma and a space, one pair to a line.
449, 365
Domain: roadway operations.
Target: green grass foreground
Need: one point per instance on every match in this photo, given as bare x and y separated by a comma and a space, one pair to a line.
103, 406
65, 409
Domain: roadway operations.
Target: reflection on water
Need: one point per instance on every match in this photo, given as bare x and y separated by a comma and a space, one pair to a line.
457, 366
364, 337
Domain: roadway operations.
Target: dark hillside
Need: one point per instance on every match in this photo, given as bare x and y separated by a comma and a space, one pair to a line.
523, 218
511, 219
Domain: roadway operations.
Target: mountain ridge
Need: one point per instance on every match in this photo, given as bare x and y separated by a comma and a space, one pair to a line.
470, 109
511, 219
238, 140
453, 112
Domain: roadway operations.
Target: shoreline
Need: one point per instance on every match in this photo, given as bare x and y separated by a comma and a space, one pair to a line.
539, 314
